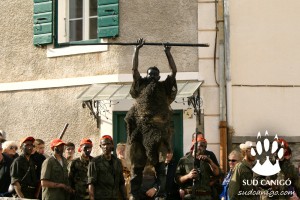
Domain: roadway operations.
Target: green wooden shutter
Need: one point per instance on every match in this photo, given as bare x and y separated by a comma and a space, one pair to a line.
108, 18
42, 19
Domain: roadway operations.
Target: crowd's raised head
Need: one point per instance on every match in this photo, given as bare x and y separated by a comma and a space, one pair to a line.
9, 145
85, 141
39, 141
283, 143
56, 142
120, 147
70, 144
107, 137
247, 145
39, 146
200, 138
199, 135
69, 151
23, 140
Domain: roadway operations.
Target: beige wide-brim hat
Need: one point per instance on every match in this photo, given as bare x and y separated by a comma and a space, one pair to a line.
247, 145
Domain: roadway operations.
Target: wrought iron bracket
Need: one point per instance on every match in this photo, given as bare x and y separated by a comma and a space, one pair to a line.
196, 101
94, 110
97, 107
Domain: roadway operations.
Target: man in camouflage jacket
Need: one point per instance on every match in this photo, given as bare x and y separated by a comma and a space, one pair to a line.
105, 174
193, 175
287, 179
78, 169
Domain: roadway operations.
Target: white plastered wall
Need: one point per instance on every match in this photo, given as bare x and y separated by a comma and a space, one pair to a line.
265, 55
209, 90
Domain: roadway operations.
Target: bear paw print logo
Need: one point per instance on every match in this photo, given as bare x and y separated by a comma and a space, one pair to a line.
267, 168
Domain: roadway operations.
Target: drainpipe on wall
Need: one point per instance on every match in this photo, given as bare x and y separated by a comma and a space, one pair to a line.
227, 71
223, 123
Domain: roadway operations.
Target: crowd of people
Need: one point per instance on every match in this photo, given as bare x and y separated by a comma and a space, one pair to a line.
242, 183
30, 173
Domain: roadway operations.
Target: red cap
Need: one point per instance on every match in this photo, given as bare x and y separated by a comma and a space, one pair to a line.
55, 143
282, 142
27, 139
200, 138
107, 137
84, 141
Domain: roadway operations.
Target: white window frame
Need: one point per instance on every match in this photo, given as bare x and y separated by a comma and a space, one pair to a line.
63, 35
85, 18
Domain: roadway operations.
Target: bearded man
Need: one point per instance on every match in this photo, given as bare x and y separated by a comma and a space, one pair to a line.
195, 171
148, 121
243, 172
23, 171
78, 169
54, 175
105, 174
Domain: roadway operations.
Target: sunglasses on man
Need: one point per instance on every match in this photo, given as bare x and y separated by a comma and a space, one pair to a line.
13, 147
231, 160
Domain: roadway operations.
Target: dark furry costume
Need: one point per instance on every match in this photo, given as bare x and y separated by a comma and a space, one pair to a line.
148, 125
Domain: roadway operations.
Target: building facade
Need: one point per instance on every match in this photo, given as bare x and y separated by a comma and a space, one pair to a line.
257, 59
248, 74
44, 73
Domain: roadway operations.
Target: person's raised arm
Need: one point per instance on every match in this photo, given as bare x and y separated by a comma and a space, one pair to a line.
135, 59
172, 64
213, 166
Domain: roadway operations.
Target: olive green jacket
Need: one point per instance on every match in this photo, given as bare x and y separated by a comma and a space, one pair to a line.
78, 169
54, 172
289, 181
185, 165
106, 177
241, 182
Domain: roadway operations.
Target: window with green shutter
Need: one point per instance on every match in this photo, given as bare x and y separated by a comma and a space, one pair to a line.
108, 18
76, 21
42, 19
